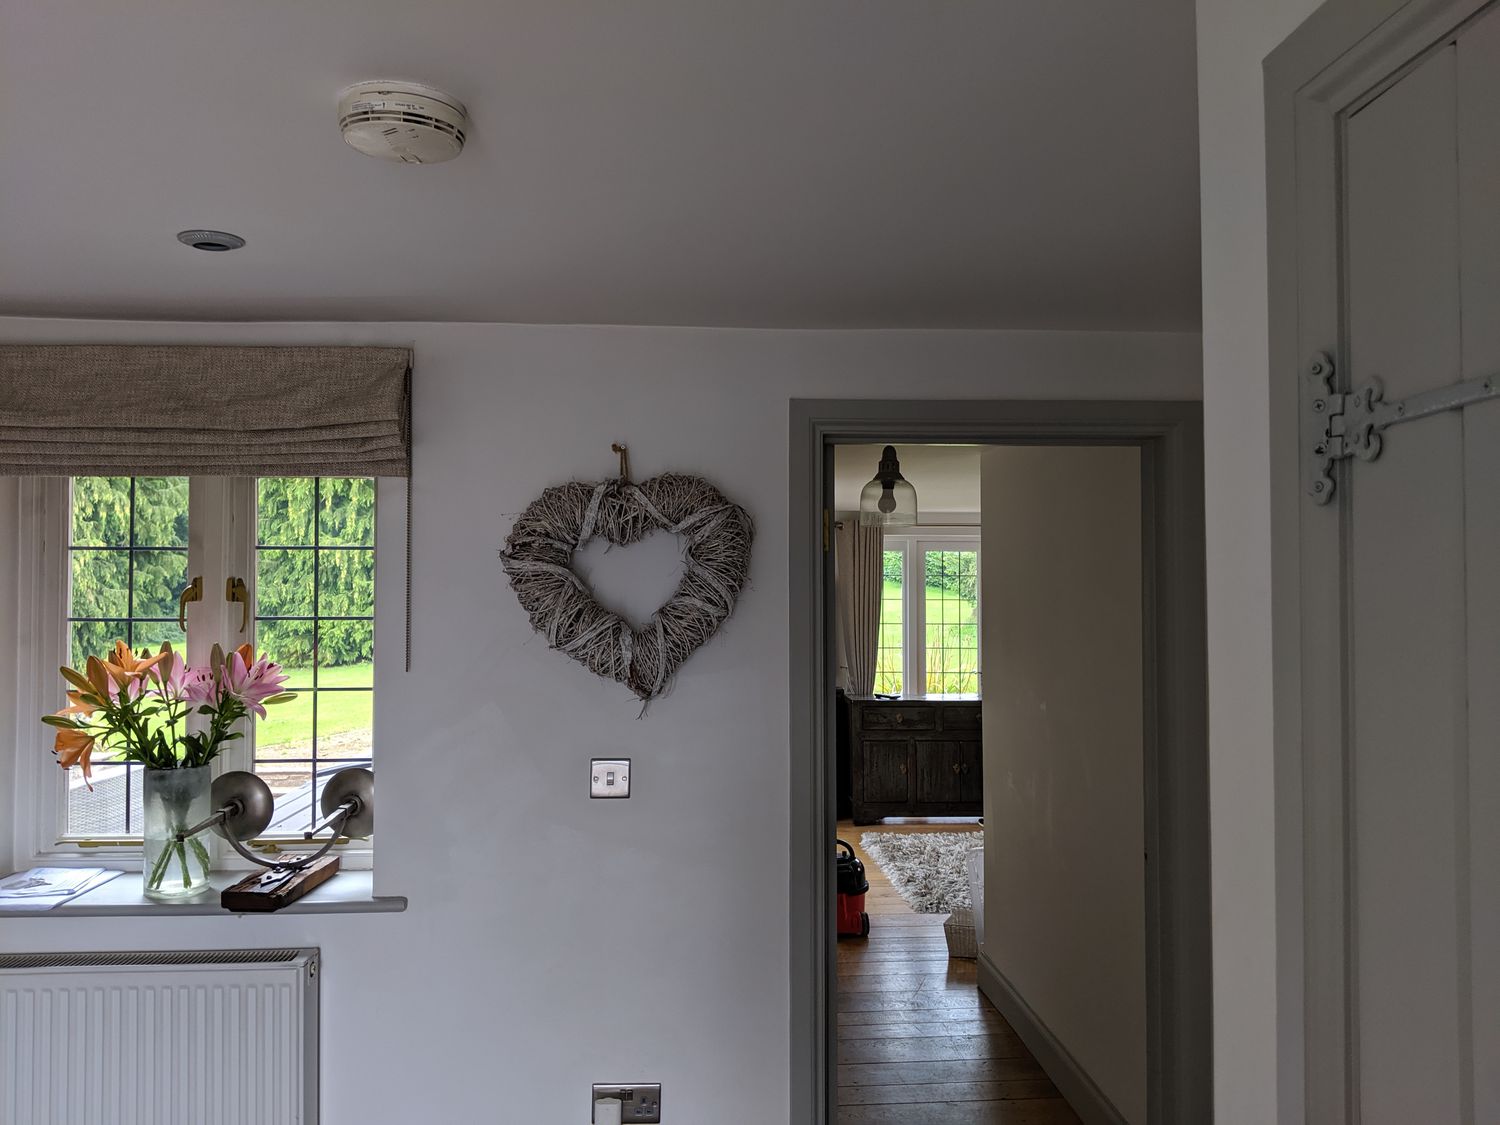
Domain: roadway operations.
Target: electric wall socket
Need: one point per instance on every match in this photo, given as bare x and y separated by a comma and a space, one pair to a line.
641, 1103
610, 777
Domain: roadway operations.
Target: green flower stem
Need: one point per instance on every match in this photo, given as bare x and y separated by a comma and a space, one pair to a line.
202, 853
159, 872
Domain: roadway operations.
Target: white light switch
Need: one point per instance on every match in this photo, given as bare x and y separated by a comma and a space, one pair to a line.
610, 777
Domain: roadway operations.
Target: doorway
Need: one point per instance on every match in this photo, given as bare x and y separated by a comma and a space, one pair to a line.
1168, 438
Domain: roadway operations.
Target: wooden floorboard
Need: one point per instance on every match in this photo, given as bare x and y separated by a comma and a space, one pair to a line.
918, 1043
922, 1093
1031, 1111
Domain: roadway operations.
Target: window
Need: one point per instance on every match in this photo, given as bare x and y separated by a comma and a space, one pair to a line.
127, 561
306, 549
951, 636
929, 616
889, 656
315, 615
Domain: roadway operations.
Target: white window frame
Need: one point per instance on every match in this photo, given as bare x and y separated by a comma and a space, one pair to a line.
221, 543
914, 546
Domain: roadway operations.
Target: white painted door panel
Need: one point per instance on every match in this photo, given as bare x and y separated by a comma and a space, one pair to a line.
1420, 549
1405, 605
1478, 78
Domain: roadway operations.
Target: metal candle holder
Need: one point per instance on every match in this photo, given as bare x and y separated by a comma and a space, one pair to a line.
243, 806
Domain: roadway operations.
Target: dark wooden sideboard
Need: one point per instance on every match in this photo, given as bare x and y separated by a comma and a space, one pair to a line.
916, 757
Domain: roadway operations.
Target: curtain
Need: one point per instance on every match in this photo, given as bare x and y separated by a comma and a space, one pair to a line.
857, 575
117, 410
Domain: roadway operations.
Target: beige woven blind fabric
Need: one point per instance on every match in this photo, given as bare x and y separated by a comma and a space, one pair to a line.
116, 410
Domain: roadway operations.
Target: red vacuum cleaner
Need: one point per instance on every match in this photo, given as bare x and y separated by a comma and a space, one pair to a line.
853, 922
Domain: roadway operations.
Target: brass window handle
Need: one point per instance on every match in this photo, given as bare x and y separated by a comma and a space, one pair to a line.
192, 592
235, 590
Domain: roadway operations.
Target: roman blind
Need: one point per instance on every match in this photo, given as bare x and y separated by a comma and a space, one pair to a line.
117, 410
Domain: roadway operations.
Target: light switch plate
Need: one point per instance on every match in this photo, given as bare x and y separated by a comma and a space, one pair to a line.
640, 1103
610, 777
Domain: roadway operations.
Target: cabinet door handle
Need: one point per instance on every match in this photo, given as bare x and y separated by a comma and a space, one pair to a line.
903, 767
900, 718
957, 768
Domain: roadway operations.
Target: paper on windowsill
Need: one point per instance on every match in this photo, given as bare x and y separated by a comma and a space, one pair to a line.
42, 888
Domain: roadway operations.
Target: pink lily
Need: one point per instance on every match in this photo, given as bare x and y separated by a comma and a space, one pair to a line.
199, 686
169, 677
252, 685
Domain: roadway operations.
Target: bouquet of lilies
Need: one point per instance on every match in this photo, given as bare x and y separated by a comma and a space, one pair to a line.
137, 708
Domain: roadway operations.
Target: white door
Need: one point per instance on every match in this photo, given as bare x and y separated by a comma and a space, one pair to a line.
1400, 612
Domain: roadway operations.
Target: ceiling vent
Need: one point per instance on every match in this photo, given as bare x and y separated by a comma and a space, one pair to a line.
403, 121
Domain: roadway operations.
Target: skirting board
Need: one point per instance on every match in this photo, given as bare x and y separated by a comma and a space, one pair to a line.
1087, 1100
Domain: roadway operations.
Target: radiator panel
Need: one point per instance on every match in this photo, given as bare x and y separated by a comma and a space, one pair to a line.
218, 1038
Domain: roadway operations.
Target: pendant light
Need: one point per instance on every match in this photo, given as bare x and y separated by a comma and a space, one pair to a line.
889, 500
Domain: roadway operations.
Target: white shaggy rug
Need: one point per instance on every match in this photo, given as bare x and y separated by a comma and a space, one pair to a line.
926, 868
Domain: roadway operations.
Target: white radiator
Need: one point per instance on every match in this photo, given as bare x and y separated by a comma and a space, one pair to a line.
219, 1037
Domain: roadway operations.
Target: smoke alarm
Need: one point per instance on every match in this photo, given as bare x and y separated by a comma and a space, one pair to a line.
403, 121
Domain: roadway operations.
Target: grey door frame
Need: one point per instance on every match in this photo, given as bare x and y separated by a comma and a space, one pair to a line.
1178, 919
1346, 54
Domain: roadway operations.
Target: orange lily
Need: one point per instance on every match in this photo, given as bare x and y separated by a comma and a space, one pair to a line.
77, 705
98, 677
73, 747
126, 666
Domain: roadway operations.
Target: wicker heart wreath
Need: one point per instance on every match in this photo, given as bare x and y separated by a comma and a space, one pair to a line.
539, 552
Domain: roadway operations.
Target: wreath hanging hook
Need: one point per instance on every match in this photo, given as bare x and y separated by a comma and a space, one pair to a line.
624, 452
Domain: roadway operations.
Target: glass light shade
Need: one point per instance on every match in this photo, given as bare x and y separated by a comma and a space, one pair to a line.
889, 500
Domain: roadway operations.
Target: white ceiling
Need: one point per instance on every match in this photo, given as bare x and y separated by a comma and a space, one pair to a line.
944, 163
946, 477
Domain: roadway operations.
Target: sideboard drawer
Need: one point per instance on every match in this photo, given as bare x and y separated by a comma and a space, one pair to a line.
896, 716
961, 717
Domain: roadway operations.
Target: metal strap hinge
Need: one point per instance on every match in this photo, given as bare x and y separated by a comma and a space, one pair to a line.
1350, 424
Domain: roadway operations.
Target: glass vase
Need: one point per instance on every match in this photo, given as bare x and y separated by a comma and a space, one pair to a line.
174, 800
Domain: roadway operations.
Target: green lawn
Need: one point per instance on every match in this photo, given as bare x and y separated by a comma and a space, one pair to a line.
339, 712
951, 623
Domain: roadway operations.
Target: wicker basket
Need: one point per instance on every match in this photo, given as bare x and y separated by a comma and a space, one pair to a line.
959, 930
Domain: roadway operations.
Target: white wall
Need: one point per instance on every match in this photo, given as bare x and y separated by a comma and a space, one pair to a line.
1065, 884
553, 941
1233, 37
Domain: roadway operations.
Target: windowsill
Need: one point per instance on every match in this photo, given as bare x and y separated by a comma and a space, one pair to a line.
348, 892
951, 697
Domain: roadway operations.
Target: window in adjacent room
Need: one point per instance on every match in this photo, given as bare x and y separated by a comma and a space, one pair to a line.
951, 621
929, 616
891, 651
